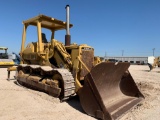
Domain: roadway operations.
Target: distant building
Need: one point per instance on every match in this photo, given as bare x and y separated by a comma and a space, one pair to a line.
132, 60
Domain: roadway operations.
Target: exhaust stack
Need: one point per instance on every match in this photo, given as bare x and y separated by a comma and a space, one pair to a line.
67, 36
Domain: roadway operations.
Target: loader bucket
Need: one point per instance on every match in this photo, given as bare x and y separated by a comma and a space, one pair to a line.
109, 91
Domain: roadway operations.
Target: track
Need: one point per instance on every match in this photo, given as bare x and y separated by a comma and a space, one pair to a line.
36, 77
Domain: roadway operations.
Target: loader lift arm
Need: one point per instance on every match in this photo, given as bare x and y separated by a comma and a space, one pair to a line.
61, 56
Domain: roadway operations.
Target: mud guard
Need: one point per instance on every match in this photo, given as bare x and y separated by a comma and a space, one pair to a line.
109, 91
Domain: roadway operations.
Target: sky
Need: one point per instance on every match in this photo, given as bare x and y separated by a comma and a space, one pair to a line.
111, 27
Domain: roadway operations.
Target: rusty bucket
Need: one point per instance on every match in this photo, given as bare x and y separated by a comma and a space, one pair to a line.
109, 91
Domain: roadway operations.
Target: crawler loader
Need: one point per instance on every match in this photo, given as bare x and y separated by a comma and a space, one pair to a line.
106, 90
155, 63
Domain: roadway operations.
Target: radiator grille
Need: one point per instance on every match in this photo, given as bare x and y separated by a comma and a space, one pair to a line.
87, 58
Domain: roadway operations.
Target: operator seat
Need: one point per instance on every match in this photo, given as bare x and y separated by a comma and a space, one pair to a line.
44, 40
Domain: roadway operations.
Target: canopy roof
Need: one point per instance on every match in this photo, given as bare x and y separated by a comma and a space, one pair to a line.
47, 22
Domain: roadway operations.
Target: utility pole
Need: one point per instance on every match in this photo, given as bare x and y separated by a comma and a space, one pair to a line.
122, 52
105, 57
153, 51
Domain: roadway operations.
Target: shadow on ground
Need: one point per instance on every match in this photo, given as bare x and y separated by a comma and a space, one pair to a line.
75, 103
151, 71
146, 70
10, 79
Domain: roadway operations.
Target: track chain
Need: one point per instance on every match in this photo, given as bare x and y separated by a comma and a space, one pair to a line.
68, 80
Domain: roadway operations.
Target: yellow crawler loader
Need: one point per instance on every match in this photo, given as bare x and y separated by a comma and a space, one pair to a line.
106, 90
155, 63
4, 59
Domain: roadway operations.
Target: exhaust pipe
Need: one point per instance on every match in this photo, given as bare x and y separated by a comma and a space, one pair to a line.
67, 36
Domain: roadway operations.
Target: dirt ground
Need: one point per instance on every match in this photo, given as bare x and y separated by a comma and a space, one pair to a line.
20, 103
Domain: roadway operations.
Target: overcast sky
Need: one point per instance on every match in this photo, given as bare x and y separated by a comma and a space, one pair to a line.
110, 26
